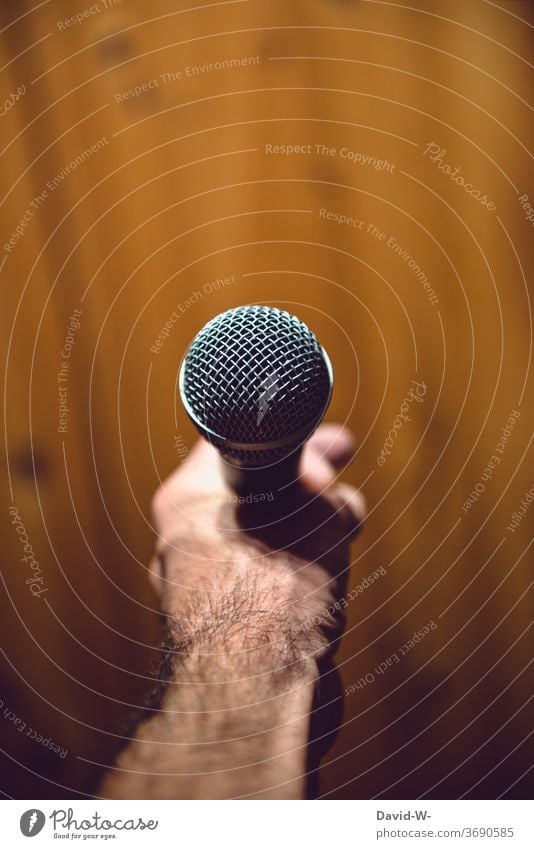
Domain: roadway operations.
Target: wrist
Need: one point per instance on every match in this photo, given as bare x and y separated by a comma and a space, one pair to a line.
234, 718
247, 614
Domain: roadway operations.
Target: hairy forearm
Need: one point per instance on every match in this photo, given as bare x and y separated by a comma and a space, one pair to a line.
234, 718
252, 699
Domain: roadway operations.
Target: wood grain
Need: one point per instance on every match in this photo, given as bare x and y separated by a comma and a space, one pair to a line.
157, 197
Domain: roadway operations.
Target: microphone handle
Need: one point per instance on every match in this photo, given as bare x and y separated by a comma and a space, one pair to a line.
272, 481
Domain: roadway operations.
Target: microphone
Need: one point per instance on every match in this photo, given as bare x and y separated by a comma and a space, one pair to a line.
256, 383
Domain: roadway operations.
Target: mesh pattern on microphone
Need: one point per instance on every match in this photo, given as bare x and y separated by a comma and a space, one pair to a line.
255, 375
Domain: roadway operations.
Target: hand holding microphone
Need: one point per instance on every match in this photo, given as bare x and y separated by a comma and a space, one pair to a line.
257, 383
252, 596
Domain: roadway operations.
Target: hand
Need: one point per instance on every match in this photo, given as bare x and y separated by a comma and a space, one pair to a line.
291, 553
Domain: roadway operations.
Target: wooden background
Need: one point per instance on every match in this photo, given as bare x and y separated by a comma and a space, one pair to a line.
179, 192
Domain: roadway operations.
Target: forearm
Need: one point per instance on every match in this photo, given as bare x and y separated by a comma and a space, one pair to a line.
249, 599
234, 718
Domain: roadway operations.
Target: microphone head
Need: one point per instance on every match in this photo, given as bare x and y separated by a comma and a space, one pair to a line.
256, 383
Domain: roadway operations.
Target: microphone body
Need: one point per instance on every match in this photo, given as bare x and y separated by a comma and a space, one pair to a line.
256, 383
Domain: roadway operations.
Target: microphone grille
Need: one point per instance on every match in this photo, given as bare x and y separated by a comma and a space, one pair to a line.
256, 375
